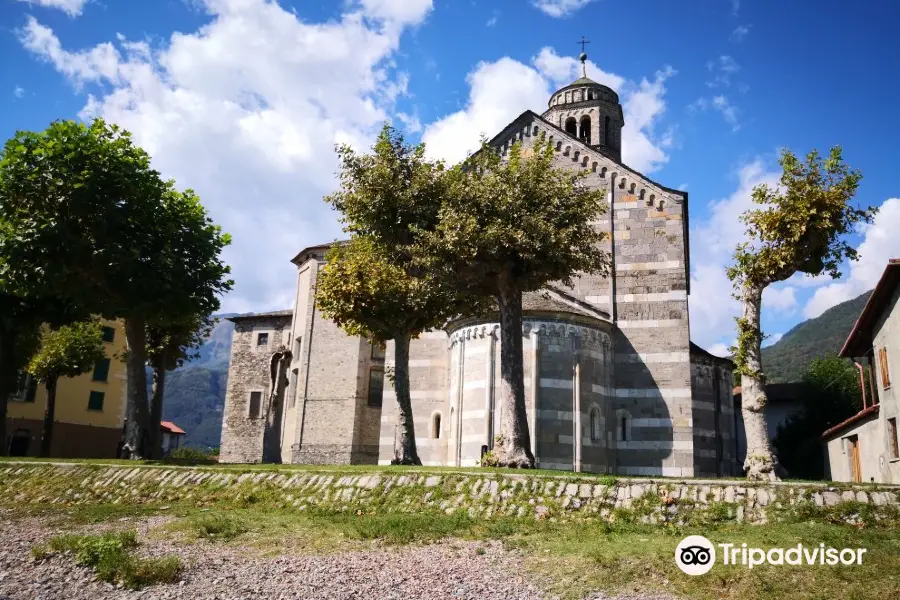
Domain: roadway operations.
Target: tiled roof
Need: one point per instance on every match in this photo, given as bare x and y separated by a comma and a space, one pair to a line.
171, 427
859, 342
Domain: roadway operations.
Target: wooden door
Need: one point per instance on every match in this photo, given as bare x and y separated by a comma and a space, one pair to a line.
855, 465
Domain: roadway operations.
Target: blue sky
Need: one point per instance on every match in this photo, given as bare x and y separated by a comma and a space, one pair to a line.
243, 100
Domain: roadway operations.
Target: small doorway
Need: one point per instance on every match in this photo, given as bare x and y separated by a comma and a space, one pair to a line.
855, 465
18, 444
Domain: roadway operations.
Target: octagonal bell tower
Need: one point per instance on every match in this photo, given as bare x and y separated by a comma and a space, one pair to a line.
590, 112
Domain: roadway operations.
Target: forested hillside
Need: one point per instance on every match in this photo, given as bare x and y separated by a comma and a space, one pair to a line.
823, 336
195, 393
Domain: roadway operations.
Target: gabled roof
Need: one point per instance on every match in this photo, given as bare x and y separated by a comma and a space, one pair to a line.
171, 427
859, 342
319, 250
263, 315
551, 299
698, 351
531, 116
861, 415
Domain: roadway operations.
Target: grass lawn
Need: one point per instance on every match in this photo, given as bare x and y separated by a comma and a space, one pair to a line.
570, 559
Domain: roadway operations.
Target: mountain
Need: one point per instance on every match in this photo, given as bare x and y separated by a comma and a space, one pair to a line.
786, 360
195, 393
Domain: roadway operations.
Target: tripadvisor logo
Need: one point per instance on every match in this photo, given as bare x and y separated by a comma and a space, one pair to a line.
696, 555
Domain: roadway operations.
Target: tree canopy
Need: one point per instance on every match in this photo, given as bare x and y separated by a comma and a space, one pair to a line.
86, 217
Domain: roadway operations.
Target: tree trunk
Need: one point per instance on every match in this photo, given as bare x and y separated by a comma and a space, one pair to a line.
405, 452
49, 417
513, 448
137, 413
158, 391
761, 464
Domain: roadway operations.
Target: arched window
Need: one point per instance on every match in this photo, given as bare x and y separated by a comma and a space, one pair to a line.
436, 425
586, 130
572, 127
596, 433
606, 131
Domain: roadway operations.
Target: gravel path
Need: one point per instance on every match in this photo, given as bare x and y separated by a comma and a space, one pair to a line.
451, 569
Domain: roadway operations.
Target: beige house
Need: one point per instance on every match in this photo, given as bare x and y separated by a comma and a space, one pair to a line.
90, 409
865, 447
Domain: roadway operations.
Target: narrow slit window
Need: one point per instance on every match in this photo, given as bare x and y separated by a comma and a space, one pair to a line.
892, 437
883, 366
436, 426
255, 404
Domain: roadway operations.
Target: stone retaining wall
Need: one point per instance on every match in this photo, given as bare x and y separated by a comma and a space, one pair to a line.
478, 493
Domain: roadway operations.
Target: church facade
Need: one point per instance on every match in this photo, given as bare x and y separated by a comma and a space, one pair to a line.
613, 383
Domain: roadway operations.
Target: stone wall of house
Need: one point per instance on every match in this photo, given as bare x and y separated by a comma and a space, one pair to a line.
480, 494
248, 371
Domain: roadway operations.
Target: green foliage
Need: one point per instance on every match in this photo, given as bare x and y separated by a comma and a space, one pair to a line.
391, 194
787, 360
517, 222
801, 226
831, 395
69, 351
366, 294
802, 222
489, 459
217, 527
111, 557
198, 455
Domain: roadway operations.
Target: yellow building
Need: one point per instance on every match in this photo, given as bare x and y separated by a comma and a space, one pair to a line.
90, 409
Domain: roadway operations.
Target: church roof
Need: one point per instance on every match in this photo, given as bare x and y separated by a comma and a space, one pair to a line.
262, 315
553, 299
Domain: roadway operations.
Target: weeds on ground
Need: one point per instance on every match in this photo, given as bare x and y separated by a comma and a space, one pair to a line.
111, 557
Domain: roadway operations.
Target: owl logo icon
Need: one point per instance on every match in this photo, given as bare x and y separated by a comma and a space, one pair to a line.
695, 555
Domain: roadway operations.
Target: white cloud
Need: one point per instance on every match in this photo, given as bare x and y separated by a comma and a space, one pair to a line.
720, 104
411, 123
560, 8
19, 91
495, 16
73, 8
720, 349
735, 7
880, 243
780, 298
722, 69
246, 110
712, 245
772, 339
500, 91
728, 111
740, 32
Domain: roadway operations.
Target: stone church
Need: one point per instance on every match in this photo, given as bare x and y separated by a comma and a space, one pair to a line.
613, 383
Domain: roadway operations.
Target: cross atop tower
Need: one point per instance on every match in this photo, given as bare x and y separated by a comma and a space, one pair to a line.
583, 56
583, 42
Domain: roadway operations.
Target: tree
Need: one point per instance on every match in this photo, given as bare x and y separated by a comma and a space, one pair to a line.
367, 295
800, 227
374, 287
831, 394
69, 351
87, 218
169, 346
510, 226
